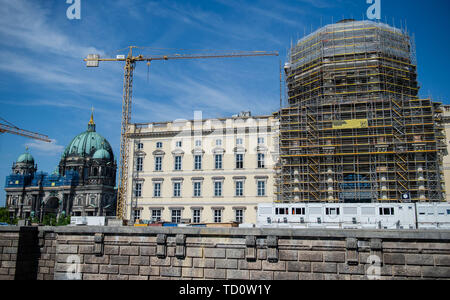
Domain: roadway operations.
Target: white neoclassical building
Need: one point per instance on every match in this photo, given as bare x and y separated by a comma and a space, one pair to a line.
202, 171
446, 160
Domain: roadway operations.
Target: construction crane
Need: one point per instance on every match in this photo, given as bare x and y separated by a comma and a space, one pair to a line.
130, 63
6, 126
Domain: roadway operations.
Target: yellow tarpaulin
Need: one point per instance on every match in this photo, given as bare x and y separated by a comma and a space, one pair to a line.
351, 124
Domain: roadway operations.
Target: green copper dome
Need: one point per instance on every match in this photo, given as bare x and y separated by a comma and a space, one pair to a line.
87, 143
26, 158
101, 154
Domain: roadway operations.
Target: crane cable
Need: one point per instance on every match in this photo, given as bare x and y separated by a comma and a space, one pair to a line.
9, 123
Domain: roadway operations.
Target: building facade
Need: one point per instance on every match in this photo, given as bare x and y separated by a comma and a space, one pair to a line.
446, 161
202, 171
83, 184
355, 129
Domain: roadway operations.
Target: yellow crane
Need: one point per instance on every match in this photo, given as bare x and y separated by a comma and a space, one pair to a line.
8, 127
130, 63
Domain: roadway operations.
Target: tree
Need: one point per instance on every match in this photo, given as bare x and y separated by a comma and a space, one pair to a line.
5, 218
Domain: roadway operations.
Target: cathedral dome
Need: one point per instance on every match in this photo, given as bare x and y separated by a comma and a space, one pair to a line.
26, 158
87, 143
102, 154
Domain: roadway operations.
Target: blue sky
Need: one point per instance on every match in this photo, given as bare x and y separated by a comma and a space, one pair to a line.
45, 86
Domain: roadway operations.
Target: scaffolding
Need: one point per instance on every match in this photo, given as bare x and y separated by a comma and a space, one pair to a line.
355, 129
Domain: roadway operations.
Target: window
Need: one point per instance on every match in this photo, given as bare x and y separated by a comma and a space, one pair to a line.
260, 140
197, 189
219, 142
298, 211
158, 163
140, 146
261, 161
196, 216
281, 211
218, 188
138, 190
239, 141
239, 161
333, 211
137, 214
178, 163
159, 145
239, 188
386, 211
139, 163
177, 189
156, 215
157, 190
197, 162
176, 216
239, 216
261, 188
179, 144
218, 161
217, 216
198, 143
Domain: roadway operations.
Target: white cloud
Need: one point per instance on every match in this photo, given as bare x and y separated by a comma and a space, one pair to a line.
26, 23
50, 149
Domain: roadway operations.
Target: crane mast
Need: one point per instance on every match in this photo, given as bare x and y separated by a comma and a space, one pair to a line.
124, 144
130, 63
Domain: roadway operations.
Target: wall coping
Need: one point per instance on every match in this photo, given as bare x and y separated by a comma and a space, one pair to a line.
441, 235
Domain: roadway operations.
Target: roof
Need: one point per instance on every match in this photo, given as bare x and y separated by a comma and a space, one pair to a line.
87, 143
25, 158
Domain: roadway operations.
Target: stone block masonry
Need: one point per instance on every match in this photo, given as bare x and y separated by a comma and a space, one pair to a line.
111, 253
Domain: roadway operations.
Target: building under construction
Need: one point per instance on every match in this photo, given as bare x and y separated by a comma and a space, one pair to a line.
355, 129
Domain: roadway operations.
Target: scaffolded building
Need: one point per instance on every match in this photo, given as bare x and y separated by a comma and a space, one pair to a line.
355, 129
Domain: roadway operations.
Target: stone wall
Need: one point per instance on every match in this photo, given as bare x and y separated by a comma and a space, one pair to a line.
127, 253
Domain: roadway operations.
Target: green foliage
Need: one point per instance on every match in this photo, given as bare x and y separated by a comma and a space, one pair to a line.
34, 220
63, 221
5, 218
49, 220
4, 215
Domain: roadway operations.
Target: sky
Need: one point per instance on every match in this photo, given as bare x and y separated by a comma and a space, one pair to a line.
45, 86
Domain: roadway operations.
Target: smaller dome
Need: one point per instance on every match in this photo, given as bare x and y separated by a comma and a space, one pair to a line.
101, 154
26, 158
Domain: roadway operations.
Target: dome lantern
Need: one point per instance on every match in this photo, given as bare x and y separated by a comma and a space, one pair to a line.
91, 124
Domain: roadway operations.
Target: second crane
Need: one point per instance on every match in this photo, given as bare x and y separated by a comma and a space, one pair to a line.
130, 63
